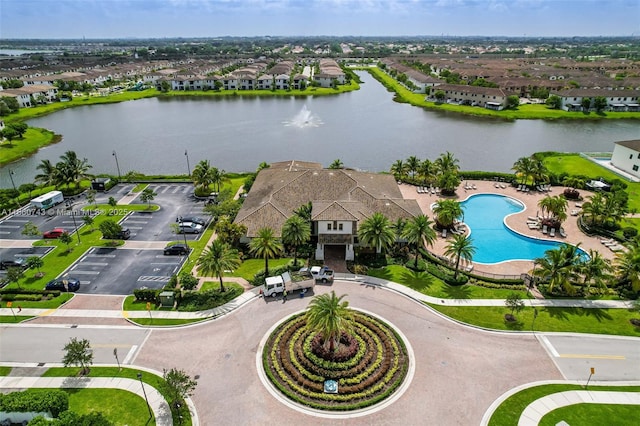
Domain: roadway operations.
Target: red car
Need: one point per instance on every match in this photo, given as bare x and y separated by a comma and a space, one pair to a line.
54, 233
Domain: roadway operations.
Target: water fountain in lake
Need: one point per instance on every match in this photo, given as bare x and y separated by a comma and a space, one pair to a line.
304, 118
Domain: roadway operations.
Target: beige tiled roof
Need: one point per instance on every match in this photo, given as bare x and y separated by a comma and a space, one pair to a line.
342, 194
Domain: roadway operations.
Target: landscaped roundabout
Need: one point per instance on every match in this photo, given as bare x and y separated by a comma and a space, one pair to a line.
330, 358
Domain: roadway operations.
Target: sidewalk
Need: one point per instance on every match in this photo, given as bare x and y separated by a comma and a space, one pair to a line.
157, 403
534, 412
255, 292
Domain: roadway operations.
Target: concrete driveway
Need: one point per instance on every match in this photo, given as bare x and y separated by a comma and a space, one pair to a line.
460, 371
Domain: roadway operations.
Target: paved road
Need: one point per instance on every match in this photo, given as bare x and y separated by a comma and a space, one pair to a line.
612, 357
44, 344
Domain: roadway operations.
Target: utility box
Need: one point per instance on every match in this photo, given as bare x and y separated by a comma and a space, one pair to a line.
167, 299
100, 184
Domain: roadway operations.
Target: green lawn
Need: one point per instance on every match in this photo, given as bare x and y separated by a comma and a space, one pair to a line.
251, 267
429, 285
130, 373
508, 413
593, 414
576, 320
574, 164
33, 139
123, 408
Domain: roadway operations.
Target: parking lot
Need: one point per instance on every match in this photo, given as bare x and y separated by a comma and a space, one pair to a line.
120, 271
21, 253
11, 227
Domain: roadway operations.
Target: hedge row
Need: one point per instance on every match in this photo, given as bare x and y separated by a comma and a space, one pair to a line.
52, 401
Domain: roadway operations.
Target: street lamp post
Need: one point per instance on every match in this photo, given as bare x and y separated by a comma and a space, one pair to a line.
117, 164
11, 177
145, 395
186, 154
75, 225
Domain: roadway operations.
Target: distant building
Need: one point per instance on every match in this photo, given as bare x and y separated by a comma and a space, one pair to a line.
626, 156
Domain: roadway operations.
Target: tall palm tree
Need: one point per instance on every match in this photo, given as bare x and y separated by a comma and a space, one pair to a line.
554, 206
573, 182
48, 173
427, 171
627, 265
304, 212
266, 246
413, 163
597, 270
460, 247
375, 231
216, 259
594, 210
218, 177
447, 162
559, 267
399, 170
419, 231
447, 212
295, 232
73, 169
524, 168
330, 316
203, 174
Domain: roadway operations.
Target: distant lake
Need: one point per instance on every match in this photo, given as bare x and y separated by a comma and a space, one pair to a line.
365, 129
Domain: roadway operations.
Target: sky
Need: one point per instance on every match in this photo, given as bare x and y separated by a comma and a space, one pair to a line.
216, 18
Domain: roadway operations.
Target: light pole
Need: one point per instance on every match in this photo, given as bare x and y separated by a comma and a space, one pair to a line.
11, 177
145, 395
186, 154
117, 164
75, 225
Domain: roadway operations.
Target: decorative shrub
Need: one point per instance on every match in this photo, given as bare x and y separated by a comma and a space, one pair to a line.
629, 232
38, 400
346, 348
571, 194
372, 364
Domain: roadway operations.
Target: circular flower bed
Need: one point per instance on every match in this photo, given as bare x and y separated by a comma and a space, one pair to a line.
369, 363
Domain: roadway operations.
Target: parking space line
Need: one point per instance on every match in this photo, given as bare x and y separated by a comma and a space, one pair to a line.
85, 272
94, 264
10, 226
101, 255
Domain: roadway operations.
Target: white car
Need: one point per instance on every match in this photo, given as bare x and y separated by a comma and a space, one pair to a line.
190, 228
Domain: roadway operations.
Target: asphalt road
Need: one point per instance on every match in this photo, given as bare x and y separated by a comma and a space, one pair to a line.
44, 344
612, 357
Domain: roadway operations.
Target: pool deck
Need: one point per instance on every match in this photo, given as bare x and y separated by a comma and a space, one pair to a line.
517, 222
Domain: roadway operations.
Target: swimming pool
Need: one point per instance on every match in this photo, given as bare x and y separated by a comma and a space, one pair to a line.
493, 240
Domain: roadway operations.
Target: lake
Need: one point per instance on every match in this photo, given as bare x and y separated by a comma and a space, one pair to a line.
365, 129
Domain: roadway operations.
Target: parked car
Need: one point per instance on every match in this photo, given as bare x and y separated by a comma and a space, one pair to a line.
176, 249
125, 234
63, 284
189, 228
193, 219
13, 263
54, 233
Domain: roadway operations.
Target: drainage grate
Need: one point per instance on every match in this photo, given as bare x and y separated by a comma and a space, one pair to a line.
41, 364
74, 326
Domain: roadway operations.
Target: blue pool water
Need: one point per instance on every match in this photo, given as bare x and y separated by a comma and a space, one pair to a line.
493, 241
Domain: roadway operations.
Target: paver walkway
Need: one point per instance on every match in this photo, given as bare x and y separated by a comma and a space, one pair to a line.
157, 403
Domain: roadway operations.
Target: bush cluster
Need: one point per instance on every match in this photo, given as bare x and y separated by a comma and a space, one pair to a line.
25, 294
146, 294
51, 401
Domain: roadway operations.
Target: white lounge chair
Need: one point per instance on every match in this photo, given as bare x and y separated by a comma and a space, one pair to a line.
503, 186
544, 229
533, 226
533, 219
562, 233
552, 232
610, 240
575, 212
444, 233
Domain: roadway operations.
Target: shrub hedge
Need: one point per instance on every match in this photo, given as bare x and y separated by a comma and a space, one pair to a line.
38, 400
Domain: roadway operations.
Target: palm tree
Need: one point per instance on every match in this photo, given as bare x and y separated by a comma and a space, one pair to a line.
295, 232
304, 212
48, 173
427, 170
596, 270
524, 168
216, 259
460, 247
336, 164
266, 246
448, 182
330, 316
594, 210
412, 165
447, 212
559, 267
419, 231
447, 163
573, 182
72, 169
203, 174
627, 265
554, 206
218, 177
375, 231
399, 170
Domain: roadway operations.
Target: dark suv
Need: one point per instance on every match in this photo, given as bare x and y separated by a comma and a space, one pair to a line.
176, 249
63, 284
13, 263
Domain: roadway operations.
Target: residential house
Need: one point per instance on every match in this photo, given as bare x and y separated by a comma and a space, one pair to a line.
487, 97
617, 100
